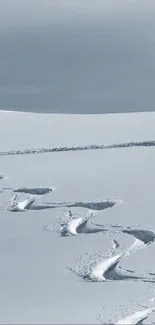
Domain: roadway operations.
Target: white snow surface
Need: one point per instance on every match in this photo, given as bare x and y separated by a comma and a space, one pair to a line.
36, 282
100, 269
136, 317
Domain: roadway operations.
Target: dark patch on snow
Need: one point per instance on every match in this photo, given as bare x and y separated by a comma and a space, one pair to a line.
34, 191
145, 236
86, 228
91, 205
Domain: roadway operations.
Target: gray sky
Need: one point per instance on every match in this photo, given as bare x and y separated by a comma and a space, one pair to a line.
43, 12
79, 56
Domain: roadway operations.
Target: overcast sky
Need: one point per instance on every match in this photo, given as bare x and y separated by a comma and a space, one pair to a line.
45, 12
79, 56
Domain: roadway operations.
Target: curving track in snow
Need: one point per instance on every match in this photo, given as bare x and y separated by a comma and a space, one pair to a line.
134, 315
30, 204
136, 318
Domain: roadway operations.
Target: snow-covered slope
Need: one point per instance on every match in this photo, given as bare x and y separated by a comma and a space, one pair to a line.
77, 218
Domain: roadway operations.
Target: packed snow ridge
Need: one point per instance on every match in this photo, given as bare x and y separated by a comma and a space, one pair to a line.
74, 225
109, 270
136, 317
103, 269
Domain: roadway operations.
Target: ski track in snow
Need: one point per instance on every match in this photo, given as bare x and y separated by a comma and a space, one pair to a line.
98, 268
97, 205
92, 267
145, 236
136, 318
30, 151
73, 225
34, 191
29, 204
108, 269
31, 191
135, 313
142, 237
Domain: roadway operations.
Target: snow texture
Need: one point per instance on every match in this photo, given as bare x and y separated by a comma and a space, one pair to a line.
77, 225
